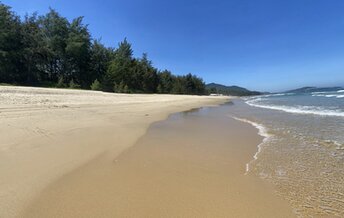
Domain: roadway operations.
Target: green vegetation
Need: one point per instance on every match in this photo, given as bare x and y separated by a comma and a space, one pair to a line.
214, 88
51, 51
96, 85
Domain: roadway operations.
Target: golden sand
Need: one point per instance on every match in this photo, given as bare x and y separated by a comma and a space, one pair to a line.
186, 166
47, 133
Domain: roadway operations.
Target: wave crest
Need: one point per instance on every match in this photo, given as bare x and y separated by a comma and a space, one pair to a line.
311, 110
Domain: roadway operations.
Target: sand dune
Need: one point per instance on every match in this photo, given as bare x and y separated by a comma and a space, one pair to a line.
46, 133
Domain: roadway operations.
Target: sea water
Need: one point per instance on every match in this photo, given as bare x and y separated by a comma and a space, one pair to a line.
303, 150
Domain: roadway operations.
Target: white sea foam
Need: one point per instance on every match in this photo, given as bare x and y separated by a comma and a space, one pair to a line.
262, 131
340, 96
319, 92
327, 96
318, 95
298, 109
327, 92
338, 145
278, 94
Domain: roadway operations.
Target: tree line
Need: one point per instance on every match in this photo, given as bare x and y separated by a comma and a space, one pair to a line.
51, 51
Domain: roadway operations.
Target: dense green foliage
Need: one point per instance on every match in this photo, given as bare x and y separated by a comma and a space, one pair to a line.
51, 51
214, 88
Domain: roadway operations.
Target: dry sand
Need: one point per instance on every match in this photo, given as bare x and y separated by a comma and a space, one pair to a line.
46, 134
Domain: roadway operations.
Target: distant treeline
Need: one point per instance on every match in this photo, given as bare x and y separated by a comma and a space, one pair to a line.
51, 51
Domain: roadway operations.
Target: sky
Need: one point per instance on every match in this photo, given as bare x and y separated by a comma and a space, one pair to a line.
265, 45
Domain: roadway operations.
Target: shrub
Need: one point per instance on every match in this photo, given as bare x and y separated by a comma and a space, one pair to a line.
96, 85
60, 83
73, 85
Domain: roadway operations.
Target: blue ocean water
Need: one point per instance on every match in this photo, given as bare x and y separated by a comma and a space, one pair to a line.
329, 103
303, 153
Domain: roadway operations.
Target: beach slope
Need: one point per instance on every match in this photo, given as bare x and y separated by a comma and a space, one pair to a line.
47, 133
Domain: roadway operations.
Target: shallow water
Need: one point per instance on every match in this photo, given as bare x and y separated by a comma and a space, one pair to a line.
304, 155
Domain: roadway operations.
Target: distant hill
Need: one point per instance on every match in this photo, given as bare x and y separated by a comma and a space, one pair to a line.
215, 88
315, 89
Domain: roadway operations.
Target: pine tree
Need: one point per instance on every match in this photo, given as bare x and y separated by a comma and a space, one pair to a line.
78, 52
121, 67
50, 50
55, 31
11, 47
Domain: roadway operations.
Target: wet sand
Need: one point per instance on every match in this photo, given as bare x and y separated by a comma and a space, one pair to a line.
190, 165
47, 133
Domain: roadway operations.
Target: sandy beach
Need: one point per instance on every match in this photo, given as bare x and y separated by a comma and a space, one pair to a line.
47, 133
190, 165
171, 109
71, 153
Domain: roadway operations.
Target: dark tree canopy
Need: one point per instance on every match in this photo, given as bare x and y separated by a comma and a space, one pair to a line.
11, 46
51, 51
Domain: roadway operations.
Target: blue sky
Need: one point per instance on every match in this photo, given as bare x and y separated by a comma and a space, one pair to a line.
266, 45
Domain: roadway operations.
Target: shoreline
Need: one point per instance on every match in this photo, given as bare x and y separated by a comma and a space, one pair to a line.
50, 132
303, 159
262, 131
184, 166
